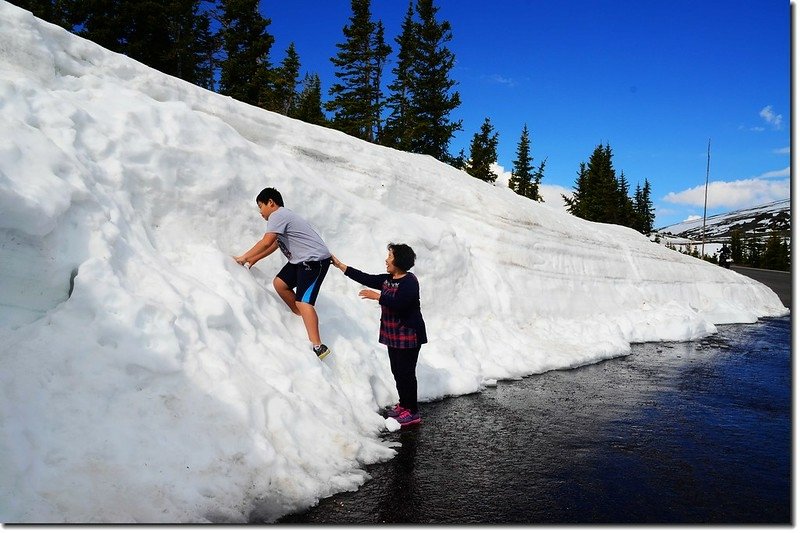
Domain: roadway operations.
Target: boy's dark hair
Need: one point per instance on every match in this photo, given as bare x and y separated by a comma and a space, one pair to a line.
404, 256
270, 194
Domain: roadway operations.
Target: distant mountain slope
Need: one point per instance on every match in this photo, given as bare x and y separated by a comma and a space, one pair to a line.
760, 220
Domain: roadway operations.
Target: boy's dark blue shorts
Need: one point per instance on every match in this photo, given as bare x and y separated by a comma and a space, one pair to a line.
305, 278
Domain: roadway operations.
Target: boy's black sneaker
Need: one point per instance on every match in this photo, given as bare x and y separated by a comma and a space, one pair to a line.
322, 351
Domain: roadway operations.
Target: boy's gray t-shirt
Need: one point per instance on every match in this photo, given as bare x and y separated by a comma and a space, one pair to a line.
297, 239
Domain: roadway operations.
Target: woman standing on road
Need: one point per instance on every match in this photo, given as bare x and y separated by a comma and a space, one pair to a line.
402, 327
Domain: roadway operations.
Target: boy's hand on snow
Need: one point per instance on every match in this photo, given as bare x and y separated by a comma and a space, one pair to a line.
242, 261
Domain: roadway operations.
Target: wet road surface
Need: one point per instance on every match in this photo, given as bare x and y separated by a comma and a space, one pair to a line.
674, 433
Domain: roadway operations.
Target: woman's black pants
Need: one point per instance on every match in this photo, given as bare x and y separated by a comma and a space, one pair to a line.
404, 370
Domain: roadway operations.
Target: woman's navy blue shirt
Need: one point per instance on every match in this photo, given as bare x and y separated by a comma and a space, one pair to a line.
402, 325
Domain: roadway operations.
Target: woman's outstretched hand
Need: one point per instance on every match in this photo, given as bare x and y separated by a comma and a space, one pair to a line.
369, 295
338, 264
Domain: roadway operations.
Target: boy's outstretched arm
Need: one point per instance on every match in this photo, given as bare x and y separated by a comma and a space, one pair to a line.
260, 250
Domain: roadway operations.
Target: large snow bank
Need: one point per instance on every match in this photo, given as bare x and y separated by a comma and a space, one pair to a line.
145, 376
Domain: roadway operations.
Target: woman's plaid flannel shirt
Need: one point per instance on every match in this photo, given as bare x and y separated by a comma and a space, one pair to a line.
402, 325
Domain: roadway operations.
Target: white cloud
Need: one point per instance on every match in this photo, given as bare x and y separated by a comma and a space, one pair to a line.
692, 218
735, 194
784, 173
551, 194
503, 175
782, 151
501, 80
770, 117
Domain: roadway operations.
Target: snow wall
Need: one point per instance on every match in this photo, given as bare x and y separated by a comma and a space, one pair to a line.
146, 377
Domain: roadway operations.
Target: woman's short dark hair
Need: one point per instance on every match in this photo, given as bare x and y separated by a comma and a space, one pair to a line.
404, 256
269, 194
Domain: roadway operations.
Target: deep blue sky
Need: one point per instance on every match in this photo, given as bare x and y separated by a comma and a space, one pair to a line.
655, 80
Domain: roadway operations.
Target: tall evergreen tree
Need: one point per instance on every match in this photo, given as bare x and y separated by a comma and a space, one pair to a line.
648, 212
775, 256
207, 47
356, 99
638, 211
623, 210
192, 43
596, 195
737, 247
284, 83
524, 180
753, 251
522, 171
460, 160
381, 51
578, 203
309, 102
105, 22
432, 98
50, 10
399, 128
172, 36
786, 254
245, 70
483, 152
533, 191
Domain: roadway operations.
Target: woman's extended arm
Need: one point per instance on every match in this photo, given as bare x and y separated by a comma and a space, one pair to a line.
373, 281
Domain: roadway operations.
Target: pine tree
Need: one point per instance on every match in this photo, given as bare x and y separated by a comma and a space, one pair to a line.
49, 10
357, 97
536, 182
522, 171
648, 212
309, 102
623, 210
578, 203
431, 98
786, 255
483, 152
775, 253
191, 41
399, 129
168, 36
524, 180
596, 194
753, 252
104, 22
207, 46
638, 209
245, 70
173, 36
284, 79
459, 161
737, 247
381, 51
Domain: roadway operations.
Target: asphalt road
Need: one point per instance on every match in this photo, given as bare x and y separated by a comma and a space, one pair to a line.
696, 432
778, 281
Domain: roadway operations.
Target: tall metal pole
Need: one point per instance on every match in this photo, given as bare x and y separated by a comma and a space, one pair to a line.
705, 202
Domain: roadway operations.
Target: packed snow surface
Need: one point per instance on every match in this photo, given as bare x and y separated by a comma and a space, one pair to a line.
146, 377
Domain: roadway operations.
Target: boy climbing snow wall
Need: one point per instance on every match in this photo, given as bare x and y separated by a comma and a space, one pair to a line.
299, 281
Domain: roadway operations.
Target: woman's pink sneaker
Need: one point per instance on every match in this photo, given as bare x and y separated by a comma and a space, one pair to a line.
395, 411
406, 418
